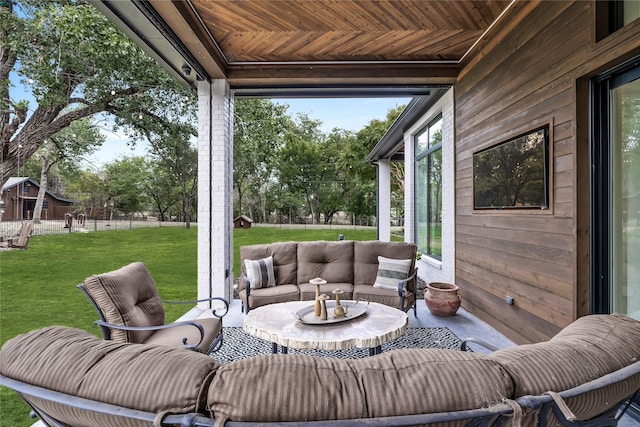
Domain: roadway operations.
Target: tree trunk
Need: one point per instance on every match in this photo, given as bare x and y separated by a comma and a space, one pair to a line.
44, 183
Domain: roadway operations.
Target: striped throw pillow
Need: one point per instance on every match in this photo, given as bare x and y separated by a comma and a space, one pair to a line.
260, 272
391, 272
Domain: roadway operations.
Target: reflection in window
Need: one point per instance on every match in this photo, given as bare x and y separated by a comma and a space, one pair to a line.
512, 174
428, 145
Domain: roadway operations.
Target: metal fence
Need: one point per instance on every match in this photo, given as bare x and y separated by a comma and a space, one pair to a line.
12, 228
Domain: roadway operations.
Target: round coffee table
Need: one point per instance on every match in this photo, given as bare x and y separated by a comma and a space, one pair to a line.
278, 324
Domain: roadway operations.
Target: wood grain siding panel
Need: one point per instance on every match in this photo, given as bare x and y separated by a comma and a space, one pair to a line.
524, 48
541, 304
518, 82
516, 323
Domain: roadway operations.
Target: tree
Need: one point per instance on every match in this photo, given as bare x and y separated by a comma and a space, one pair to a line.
333, 185
300, 166
76, 65
88, 189
162, 190
67, 146
126, 180
361, 196
259, 127
179, 159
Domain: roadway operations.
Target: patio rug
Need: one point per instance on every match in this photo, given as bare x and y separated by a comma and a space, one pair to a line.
239, 345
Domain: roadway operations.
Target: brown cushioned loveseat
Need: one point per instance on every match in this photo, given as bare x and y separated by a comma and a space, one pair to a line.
69, 375
361, 269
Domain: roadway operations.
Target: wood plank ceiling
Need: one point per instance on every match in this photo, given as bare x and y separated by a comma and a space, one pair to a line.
324, 42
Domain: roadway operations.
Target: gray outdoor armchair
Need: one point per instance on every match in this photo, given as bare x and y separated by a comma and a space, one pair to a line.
131, 310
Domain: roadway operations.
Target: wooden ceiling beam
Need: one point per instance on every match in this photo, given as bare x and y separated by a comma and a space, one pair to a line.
383, 73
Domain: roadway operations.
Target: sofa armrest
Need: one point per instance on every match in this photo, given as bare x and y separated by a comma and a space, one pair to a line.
247, 286
402, 285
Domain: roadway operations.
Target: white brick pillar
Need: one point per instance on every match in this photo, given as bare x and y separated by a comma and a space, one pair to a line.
215, 189
409, 189
384, 200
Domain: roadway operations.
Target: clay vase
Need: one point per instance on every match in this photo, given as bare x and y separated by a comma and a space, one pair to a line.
442, 299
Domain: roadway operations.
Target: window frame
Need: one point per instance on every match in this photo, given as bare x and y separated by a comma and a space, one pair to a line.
420, 156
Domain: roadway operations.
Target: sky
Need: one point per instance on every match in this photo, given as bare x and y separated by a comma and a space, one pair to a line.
344, 113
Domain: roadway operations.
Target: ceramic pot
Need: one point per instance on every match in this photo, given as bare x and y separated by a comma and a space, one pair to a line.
442, 299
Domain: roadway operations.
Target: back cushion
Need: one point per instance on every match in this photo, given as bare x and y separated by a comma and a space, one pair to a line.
284, 259
137, 376
587, 349
401, 382
416, 381
366, 254
332, 261
127, 296
292, 387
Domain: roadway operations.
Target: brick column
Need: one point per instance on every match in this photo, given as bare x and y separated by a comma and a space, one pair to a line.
384, 200
215, 189
409, 188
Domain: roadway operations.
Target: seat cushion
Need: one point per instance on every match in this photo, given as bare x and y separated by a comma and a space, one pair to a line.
308, 291
127, 296
383, 296
137, 376
275, 294
174, 336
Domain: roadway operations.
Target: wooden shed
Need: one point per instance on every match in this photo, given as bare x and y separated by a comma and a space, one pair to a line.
242, 221
19, 195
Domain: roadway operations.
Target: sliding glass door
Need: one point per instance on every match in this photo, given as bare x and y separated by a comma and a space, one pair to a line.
616, 193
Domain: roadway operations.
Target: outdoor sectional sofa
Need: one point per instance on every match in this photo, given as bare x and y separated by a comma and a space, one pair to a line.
72, 378
352, 266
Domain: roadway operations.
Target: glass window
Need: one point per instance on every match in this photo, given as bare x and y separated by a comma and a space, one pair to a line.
428, 167
625, 199
630, 11
615, 193
614, 14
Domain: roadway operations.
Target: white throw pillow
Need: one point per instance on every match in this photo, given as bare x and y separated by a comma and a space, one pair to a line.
260, 272
391, 272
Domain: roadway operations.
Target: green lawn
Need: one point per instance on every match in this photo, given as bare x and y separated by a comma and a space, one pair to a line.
38, 285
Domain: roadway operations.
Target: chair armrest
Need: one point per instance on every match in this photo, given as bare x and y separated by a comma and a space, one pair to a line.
402, 285
483, 343
185, 344
247, 286
214, 309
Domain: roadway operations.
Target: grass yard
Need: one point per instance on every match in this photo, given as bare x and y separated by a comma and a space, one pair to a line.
38, 285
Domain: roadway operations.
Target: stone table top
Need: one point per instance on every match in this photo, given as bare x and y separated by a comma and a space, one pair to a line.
278, 324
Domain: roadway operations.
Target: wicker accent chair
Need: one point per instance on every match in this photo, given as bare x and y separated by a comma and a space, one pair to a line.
131, 310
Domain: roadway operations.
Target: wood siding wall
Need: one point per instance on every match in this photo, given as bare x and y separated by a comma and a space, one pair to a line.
532, 68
